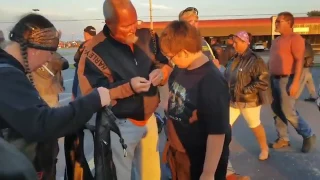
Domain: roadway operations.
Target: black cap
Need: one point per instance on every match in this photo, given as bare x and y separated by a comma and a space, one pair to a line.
90, 30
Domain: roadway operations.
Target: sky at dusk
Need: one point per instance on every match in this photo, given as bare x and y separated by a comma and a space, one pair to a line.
72, 16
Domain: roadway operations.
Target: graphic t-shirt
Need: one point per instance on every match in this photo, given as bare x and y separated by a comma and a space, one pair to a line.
198, 107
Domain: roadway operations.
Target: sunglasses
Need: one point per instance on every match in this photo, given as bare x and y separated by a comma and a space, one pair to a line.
188, 9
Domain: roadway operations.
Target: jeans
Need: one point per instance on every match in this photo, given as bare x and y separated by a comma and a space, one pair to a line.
307, 80
143, 161
284, 110
75, 84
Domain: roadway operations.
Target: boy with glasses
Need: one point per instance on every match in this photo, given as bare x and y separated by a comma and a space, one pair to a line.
198, 109
191, 15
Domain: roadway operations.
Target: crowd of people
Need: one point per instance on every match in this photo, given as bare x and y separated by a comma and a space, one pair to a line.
122, 73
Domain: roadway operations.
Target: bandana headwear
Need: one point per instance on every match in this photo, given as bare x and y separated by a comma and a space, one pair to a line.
44, 39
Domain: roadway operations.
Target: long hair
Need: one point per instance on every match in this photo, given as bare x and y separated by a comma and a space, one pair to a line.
47, 85
21, 33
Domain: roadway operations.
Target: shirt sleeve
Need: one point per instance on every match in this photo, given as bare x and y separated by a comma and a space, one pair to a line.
214, 105
24, 111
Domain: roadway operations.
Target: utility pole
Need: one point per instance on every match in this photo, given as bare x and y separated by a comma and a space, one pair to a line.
150, 8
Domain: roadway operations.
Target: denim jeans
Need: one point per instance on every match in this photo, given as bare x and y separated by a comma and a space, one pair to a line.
307, 80
75, 85
284, 110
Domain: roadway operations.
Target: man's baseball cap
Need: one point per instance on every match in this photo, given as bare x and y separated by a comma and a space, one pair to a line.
90, 30
243, 35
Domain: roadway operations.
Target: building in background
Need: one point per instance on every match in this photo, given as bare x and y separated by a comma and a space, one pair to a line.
262, 29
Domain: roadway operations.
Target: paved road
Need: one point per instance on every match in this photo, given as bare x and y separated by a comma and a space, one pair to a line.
286, 164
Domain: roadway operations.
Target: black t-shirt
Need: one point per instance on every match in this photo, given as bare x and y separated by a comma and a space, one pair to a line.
198, 106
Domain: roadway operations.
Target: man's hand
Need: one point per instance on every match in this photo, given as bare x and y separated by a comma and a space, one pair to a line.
104, 96
140, 84
216, 62
293, 90
155, 77
207, 176
318, 102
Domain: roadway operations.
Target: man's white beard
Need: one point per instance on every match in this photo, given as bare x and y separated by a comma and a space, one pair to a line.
131, 39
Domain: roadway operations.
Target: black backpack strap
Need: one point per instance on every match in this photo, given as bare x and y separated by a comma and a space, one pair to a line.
104, 166
74, 155
109, 121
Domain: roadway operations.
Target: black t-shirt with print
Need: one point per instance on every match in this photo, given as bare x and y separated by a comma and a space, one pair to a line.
198, 107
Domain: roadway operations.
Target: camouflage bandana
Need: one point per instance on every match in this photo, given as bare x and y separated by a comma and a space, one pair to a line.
44, 39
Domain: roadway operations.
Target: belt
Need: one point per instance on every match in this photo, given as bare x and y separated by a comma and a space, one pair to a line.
282, 76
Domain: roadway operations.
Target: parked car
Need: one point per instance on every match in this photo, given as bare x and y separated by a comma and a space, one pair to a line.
258, 47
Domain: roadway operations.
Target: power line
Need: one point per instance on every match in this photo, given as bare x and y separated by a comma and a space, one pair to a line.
168, 16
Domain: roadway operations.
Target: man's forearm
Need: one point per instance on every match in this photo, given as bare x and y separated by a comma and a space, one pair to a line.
121, 91
213, 152
298, 71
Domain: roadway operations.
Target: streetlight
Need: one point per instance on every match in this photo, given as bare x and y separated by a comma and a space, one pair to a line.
150, 8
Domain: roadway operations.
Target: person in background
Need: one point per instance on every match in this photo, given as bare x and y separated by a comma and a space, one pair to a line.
250, 40
247, 75
215, 45
25, 118
285, 66
88, 33
306, 76
228, 52
318, 99
191, 15
198, 126
72, 142
2, 40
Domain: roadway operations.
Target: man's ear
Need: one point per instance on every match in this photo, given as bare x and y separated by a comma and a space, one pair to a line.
59, 34
108, 22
